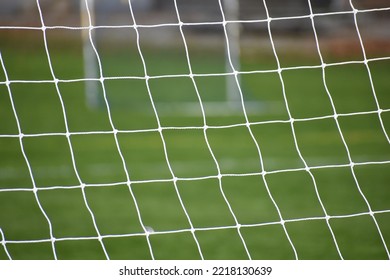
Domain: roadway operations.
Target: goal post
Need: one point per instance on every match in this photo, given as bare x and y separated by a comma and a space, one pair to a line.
87, 16
230, 10
232, 51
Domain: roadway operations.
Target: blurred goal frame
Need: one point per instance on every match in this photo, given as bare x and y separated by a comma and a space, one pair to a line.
233, 103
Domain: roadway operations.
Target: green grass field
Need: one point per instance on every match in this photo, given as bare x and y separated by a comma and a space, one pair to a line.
26, 231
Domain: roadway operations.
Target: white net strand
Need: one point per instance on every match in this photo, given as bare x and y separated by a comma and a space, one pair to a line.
160, 130
326, 88
336, 115
67, 129
291, 120
20, 136
365, 61
115, 131
355, 11
204, 122
3, 243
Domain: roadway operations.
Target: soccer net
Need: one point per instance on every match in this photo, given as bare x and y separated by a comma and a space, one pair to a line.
156, 162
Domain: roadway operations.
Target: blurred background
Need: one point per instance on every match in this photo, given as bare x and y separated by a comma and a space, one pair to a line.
69, 142
67, 13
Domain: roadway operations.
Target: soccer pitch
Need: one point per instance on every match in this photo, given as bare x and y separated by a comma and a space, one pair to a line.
214, 205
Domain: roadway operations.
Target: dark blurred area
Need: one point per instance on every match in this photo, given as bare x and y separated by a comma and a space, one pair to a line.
18, 11
334, 20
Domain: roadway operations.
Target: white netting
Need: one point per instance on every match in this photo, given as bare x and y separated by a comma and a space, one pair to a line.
250, 127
